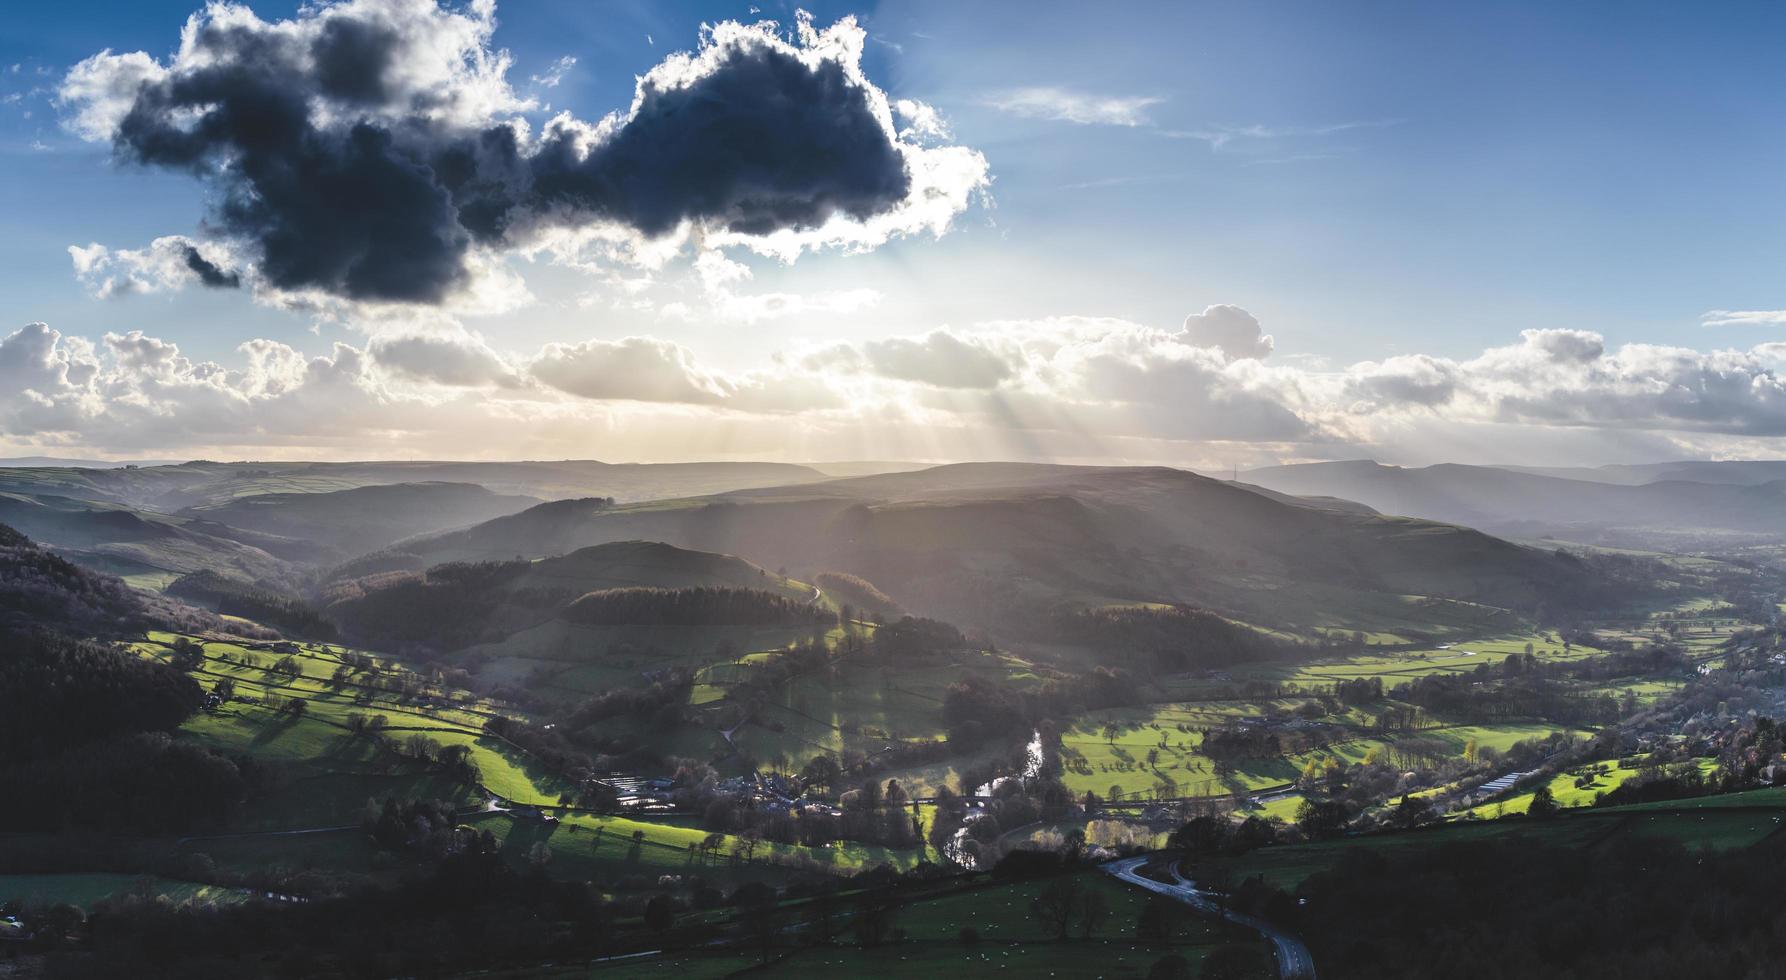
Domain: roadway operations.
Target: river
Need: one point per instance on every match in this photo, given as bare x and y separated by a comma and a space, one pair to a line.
1032, 767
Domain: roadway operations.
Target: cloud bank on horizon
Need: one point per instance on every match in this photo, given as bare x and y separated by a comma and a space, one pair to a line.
1065, 388
370, 159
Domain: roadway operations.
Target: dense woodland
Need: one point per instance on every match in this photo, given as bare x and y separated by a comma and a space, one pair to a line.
873, 604
1169, 638
702, 606
56, 692
444, 608
232, 597
87, 726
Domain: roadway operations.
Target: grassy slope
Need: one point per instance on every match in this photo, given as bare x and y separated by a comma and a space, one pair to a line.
335, 773
85, 889
1724, 822
1095, 536
1011, 942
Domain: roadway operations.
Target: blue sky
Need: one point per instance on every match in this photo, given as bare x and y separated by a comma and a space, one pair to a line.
1369, 181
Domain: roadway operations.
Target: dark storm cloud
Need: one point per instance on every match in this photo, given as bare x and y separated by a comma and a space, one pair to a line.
208, 272
348, 211
349, 177
759, 144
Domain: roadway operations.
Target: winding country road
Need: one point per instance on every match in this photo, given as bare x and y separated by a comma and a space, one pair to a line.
1293, 959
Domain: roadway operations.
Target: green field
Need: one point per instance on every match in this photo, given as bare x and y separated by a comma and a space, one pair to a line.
1092, 760
1455, 657
320, 739
87, 889
601, 848
1723, 822
333, 772
1607, 776
1011, 942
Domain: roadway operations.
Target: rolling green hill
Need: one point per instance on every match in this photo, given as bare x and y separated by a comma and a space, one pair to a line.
41, 591
339, 524
456, 604
144, 547
996, 543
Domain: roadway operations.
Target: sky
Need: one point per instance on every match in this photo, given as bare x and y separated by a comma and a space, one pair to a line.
1203, 235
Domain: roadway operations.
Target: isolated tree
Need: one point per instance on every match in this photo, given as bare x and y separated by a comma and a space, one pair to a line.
758, 915
1093, 911
1154, 924
874, 919
660, 913
1544, 803
187, 654
712, 842
1057, 904
821, 912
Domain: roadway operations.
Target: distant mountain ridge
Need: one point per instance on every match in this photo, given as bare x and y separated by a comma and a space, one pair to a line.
117, 539
265, 522
167, 489
1526, 502
1738, 471
58, 462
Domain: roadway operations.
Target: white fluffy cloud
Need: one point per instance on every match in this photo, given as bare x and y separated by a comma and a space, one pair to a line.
1072, 387
1230, 328
455, 359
